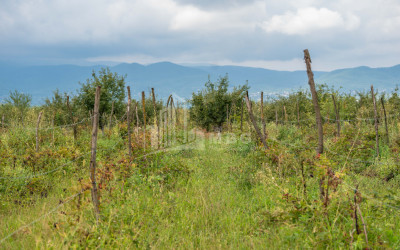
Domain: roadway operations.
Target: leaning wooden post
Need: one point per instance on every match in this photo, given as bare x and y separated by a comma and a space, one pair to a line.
376, 121
386, 123
95, 127
253, 120
320, 148
128, 121
72, 120
337, 115
318, 118
144, 119
155, 117
262, 116
169, 109
276, 117
37, 131
111, 115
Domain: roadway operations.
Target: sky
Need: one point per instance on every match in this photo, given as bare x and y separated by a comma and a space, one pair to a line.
267, 34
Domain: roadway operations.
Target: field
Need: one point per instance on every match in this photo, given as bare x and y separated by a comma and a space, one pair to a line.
259, 180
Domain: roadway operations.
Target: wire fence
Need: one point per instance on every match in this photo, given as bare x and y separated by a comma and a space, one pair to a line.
65, 201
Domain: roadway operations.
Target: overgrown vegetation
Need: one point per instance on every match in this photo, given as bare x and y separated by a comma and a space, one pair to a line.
221, 191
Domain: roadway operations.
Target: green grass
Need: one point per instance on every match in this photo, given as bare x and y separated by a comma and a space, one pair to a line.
209, 194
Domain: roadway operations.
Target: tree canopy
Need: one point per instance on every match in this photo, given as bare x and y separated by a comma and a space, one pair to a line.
209, 107
112, 90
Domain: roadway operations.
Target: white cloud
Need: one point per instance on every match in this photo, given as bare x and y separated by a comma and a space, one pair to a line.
307, 20
189, 17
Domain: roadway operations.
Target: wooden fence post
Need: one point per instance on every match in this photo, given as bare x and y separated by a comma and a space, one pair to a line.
376, 121
320, 148
95, 127
318, 118
262, 116
144, 119
37, 131
128, 121
386, 123
155, 117
2, 121
253, 120
276, 117
336, 114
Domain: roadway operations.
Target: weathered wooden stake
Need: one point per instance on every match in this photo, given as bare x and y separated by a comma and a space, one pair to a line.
276, 117
355, 213
128, 121
155, 117
2, 121
262, 116
253, 120
318, 118
386, 123
364, 225
336, 114
376, 121
37, 131
95, 127
111, 115
144, 119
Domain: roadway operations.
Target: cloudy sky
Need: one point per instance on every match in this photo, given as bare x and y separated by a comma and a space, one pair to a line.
268, 34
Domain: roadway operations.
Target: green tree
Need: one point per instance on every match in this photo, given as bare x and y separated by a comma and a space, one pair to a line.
21, 102
209, 106
112, 90
57, 105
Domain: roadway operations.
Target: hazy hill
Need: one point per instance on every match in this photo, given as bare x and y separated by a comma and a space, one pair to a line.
167, 78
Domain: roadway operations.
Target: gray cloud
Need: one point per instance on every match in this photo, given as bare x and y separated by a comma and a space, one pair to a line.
264, 33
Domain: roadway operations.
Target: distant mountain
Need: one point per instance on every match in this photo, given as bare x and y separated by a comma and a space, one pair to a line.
167, 78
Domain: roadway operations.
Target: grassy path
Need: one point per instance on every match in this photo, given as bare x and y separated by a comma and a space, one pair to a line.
216, 206
209, 195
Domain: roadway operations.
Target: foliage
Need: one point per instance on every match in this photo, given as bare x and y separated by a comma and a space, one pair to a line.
210, 106
112, 90
21, 102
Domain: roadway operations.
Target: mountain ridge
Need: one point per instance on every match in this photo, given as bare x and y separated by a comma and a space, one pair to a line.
168, 77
